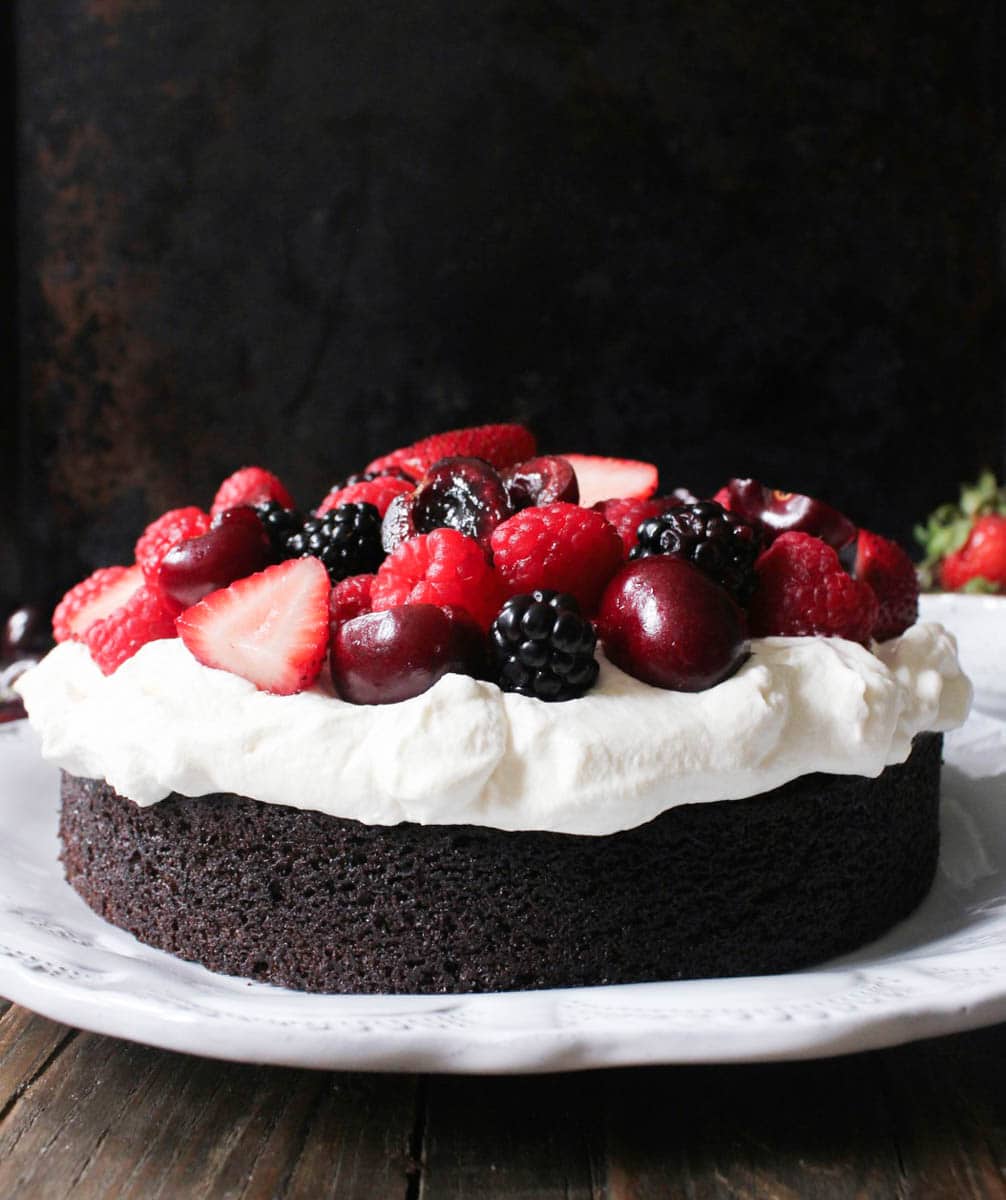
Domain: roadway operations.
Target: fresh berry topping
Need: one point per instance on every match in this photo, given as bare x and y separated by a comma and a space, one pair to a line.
350, 598
250, 485
891, 574
663, 621
93, 599
379, 491
776, 512
384, 657
367, 476
278, 522
174, 526
722, 545
145, 617
980, 564
628, 515
559, 547
443, 567
499, 445
952, 560
803, 590
270, 628
398, 525
236, 545
544, 480
543, 647
612, 478
347, 539
465, 494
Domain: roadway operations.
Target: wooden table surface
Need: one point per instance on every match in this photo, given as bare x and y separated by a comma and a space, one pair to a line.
89, 1116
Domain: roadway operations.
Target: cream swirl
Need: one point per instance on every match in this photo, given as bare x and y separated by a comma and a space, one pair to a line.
466, 753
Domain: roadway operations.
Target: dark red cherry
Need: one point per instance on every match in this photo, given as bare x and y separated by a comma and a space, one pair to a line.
234, 547
465, 494
26, 633
384, 657
543, 480
783, 512
398, 525
665, 622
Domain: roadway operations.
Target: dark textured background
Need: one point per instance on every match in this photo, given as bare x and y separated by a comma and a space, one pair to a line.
734, 238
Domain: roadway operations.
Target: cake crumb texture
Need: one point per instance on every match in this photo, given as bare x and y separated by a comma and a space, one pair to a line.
322, 904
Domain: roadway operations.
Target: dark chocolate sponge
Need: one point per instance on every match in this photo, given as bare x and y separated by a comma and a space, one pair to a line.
772, 883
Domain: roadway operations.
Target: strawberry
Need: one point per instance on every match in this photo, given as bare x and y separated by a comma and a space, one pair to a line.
93, 599
612, 478
444, 568
145, 617
891, 574
380, 492
270, 628
250, 485
980, 564
964, 543
350, 598
561, 547
803, 590
628, 515
160, 536
500, 446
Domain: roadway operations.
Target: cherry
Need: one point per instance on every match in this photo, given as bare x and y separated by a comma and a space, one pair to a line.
398, 525
663, 621
782, 512
235, 546
384, 657
25, 634
465, 494
543, 480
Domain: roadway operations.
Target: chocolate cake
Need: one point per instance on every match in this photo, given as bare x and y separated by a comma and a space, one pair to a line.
311, 901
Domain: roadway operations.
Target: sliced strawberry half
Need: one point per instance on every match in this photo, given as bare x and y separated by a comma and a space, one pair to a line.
612, 478
891, 574
250, 485
93, 599
270, 628
500, 446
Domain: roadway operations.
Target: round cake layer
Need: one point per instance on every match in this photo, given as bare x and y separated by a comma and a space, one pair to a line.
319, 903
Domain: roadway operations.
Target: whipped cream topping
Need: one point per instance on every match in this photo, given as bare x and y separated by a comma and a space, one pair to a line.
466, 753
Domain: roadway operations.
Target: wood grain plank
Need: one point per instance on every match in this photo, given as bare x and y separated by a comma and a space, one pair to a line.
776, 1132
110, 1119
499, 1137
28, 1043
948, 1100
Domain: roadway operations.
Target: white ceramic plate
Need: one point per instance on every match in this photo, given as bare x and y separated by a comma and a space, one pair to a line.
942, 970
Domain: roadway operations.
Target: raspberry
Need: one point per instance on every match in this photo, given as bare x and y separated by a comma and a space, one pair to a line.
143, 618
174, 526
92, 600
379, 491
250, 485
443, 567
628, 515
891, 574
802, 590
350, 598
558, 547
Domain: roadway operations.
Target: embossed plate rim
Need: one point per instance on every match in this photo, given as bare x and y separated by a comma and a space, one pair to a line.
942, 971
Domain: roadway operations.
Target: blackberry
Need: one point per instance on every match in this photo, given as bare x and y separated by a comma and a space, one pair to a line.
705, 534
543, 647
347, 539
279, 523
